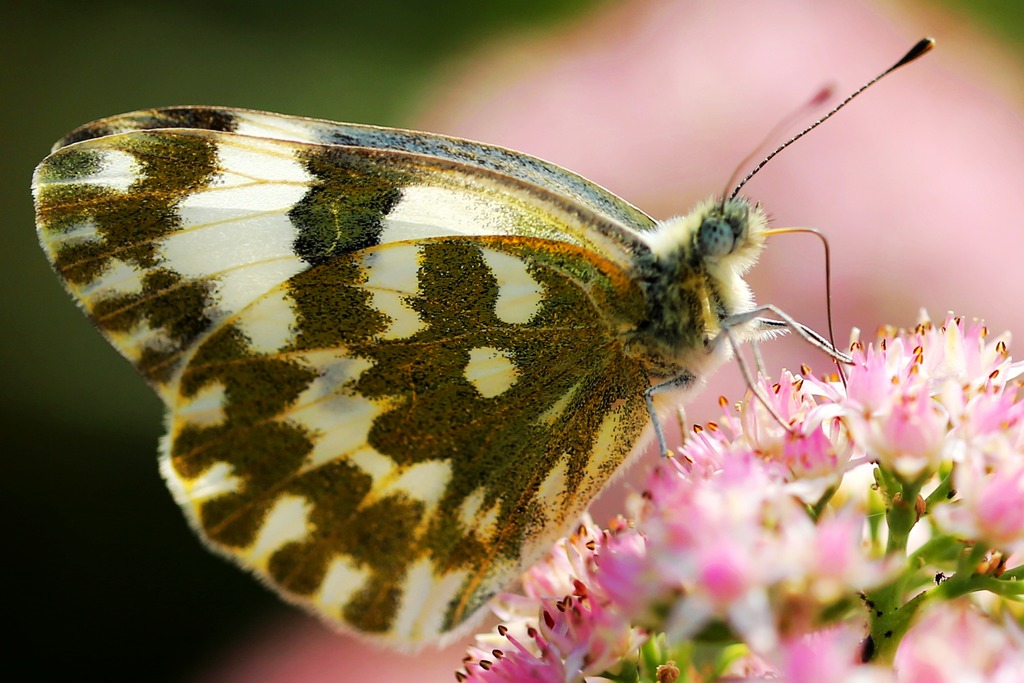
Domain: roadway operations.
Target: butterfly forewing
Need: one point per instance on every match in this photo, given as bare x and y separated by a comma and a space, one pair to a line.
392, 378
556, 181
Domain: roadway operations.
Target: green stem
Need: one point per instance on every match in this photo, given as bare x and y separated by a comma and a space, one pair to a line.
888, 626
816, 509
889, 616
943, 491
901, 516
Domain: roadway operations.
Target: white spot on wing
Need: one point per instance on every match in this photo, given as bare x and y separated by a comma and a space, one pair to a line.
373, 463
393, 266
120, 171
229, 193
392, 275
241, 271
237, 288
80, 233
470, 506
117, 279
140, 338
606, 452
177, 484
275, 127
403, 320
269, 322
215, 481
555, 410
244, 162
425, 600
487, 523
342, 580
552, 489
216, 242
205, 408
338, 416
491, 371
116, 170
287, 521
519, 295
424, 481
433, 211
342, 441
473, 517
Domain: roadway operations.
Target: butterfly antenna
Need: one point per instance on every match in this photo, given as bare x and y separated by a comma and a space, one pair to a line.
776, 132
923, 46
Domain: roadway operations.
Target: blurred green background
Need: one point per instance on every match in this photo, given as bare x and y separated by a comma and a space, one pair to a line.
105, 576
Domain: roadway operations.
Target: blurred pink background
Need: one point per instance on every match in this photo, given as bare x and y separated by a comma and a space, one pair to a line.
915, 184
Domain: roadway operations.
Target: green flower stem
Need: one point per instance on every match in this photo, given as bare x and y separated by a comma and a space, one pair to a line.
956, 587
889, 617
819, 507
966, 580
901, 515
888, 626
943, 491
1015, 575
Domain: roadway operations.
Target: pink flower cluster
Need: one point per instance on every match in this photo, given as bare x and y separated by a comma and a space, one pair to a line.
873, 534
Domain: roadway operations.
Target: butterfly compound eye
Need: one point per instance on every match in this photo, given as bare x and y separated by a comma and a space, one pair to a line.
716, 237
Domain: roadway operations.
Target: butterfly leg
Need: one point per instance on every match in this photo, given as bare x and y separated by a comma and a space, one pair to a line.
755, 348
748, 377
678, 382
784, 322
810, 336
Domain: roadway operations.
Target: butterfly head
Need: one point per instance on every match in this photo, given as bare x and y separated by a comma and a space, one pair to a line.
722, 237
696, 279
730, 233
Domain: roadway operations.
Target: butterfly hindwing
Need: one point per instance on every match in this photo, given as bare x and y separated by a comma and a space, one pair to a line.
391, 378
363, 467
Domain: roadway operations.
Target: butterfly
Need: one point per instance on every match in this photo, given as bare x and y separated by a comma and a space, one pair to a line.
397, 366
